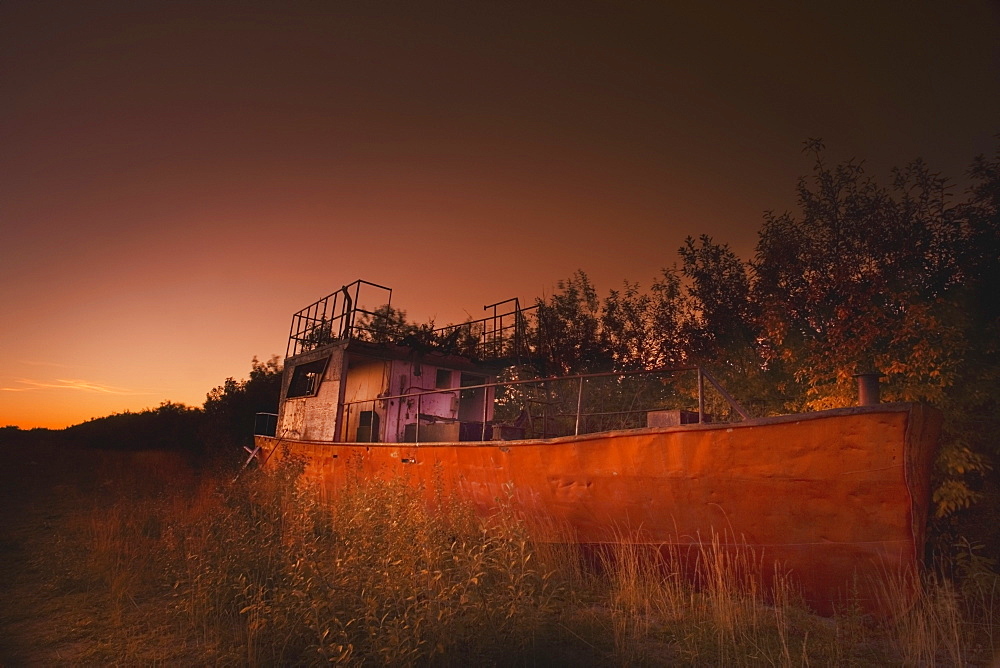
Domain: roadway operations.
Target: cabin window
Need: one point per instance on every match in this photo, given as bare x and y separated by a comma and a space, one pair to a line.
306, 378
443, 380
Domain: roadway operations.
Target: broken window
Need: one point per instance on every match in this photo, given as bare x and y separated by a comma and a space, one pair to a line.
306, 378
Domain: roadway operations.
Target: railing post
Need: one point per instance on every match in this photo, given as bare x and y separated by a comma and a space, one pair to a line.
347, 424
486, 393
416, 432
579, 405
725, 395
701, 397
545, 409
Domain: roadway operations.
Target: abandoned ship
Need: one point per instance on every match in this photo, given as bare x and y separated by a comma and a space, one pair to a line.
837, 498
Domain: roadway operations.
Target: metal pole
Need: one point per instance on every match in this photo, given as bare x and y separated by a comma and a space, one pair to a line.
701, 397
416, 432
725, 395
485, 392
545, 409
347, 423
579, 404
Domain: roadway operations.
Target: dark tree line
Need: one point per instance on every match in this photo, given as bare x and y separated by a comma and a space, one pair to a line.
218, 429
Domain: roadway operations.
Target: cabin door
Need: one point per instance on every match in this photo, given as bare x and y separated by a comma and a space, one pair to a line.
367, 378
472, 405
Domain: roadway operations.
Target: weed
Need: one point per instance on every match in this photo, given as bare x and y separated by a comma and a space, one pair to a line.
266, 571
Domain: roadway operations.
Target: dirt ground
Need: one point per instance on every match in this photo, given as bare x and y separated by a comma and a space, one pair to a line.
40, 485
52, 610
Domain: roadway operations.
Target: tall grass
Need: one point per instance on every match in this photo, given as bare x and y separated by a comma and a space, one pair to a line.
375, 575
708, 603
265, 571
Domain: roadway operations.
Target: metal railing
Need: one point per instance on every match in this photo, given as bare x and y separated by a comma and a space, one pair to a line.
335, 317
502, 334
560, 405
340, 316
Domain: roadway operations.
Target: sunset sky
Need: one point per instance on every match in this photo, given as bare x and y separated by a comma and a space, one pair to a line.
177, 178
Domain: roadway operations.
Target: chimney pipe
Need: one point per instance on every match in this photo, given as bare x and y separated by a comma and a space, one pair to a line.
868, 388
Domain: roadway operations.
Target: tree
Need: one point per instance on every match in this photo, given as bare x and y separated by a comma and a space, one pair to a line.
568, 334
898, 280
972, 409
858, 283
647, 330
386, 325
719, 287
724, 328
231, 408
627, 329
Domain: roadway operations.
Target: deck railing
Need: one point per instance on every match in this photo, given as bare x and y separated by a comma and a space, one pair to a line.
341, 316
337, 316
561, 406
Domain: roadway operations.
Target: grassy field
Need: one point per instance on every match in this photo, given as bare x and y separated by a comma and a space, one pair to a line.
140, 558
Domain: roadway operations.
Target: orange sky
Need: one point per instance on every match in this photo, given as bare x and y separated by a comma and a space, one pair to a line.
175, 181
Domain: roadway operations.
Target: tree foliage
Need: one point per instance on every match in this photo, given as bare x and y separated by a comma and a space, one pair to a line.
860, 281
722, 328
222, 426
231, 408
569, 334
646, 330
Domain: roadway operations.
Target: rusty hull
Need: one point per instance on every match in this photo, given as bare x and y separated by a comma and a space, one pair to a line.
836, 497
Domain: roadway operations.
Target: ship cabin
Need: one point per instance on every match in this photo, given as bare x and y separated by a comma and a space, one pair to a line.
357, 391
353, 374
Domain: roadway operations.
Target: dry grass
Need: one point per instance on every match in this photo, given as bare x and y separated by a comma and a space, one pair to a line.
153, 564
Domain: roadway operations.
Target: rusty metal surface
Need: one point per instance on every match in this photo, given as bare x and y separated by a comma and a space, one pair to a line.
836, 497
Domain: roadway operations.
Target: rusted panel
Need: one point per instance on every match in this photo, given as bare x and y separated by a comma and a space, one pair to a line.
835, 497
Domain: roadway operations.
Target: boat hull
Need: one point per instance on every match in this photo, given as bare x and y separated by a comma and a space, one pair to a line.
836, 498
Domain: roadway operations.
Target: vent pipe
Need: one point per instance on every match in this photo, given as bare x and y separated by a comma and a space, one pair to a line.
868, 388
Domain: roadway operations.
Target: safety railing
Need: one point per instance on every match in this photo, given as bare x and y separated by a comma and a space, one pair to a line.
337, 316
547, 407
341, 316
500, 335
